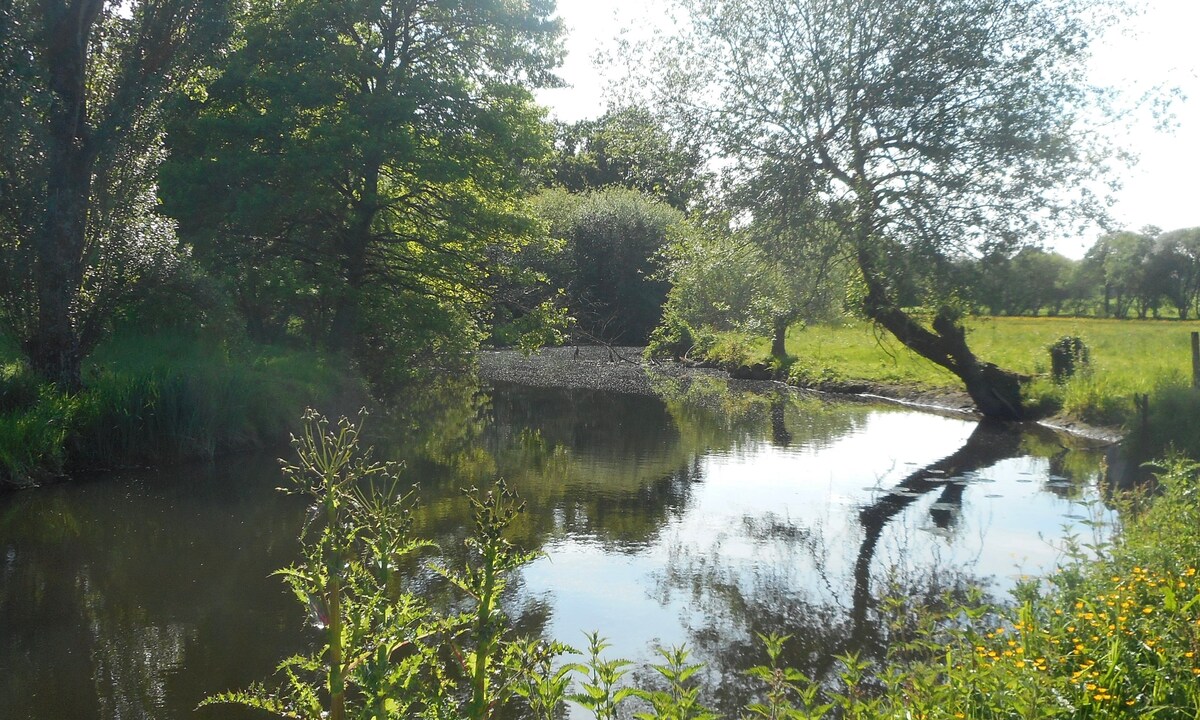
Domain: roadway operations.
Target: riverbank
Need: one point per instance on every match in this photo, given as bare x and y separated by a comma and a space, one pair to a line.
1133, 377
626, 369
151, 400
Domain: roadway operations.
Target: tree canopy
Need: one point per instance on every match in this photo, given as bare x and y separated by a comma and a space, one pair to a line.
358, 165
917, 128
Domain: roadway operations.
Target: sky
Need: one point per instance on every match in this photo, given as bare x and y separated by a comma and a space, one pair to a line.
1156, 49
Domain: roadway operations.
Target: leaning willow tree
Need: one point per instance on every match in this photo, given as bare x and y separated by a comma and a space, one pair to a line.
919, 129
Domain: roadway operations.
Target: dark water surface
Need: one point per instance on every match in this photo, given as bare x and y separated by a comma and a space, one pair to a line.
703, 516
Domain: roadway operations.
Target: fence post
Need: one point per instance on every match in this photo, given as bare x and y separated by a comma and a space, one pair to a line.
1196, 359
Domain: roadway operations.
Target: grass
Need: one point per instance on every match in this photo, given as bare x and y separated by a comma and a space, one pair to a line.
164, 398
1128, 358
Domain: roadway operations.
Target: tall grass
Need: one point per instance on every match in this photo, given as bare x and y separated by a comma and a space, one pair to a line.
161, 399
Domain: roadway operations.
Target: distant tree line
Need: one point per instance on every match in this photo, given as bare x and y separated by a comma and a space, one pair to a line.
1124, 274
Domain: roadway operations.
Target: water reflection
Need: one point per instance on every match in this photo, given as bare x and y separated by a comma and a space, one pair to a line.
700, 515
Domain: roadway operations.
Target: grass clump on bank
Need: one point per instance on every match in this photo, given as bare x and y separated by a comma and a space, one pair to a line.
164, 398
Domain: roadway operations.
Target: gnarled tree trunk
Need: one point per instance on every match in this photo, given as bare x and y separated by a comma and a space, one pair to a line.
996, 392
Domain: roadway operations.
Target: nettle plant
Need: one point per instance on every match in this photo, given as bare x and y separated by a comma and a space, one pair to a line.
385, 652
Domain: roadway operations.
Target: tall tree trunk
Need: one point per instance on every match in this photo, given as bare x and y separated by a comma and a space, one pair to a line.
355, 245
343, 330
996, 392
58, 271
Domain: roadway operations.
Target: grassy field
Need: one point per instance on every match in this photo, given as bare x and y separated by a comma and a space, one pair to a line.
1128, 357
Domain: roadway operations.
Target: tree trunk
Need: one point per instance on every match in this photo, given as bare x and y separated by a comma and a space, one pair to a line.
58, 270
355, 244
996, 392
779, 336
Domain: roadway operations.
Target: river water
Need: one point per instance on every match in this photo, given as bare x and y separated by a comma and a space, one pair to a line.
699, 514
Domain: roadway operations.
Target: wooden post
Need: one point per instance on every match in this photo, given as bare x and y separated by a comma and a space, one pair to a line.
1196, 359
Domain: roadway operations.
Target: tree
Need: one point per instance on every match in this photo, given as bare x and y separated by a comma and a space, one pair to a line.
1175, 268
609, 260
84, 87
733, 280
627, 147
370, 153
917, 128
1122, 260
1041, 280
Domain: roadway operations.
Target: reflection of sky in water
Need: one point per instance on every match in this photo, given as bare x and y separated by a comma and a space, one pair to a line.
668, 521
788, 517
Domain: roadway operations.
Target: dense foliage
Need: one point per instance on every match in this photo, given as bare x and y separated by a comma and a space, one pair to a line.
84, 86
605, 254
353, 171
916, 130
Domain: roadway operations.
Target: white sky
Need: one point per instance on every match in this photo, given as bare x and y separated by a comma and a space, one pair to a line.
1157, 49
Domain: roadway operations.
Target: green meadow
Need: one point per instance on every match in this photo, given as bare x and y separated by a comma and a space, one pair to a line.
1126, 358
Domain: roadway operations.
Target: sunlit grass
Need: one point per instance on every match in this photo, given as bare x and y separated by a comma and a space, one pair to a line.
1128, 357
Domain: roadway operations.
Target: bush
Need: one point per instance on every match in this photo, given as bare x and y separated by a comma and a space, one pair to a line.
1068, 355
672, 338
163, 399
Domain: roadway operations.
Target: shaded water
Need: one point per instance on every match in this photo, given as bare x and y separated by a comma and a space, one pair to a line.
702, 516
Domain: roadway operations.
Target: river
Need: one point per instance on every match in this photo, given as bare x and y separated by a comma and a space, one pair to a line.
696, 513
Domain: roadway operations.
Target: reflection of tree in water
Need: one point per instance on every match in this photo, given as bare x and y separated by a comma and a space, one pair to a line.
133, 597
737, 605
987, 445
110, 588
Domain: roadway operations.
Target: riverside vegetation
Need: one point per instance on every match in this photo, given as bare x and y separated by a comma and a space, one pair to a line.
1114, 633
167, 397
1127, 360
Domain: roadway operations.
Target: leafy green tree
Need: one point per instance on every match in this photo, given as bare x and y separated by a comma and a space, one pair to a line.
1122, 259
750, 280
81, 111
358, 166
1041, 280
1175, 267
608, 259
627, 147
917, 129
